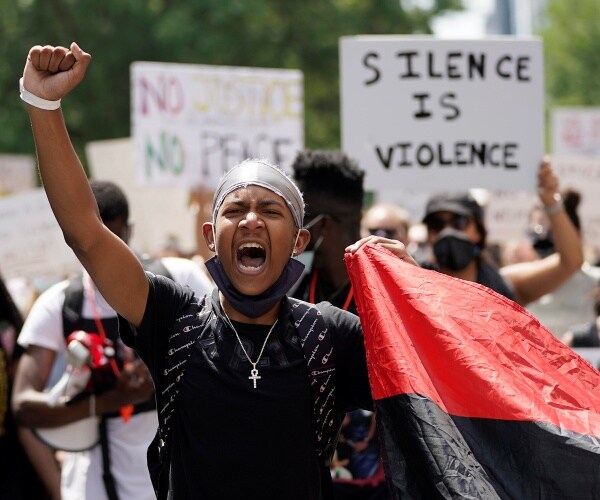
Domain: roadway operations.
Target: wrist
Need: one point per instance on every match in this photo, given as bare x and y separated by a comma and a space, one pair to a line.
556, 207
36, 101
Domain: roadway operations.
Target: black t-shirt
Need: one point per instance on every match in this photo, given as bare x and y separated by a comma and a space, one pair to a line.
325, 292
230, 440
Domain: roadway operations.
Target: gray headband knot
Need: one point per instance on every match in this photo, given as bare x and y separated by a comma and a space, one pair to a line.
260, 173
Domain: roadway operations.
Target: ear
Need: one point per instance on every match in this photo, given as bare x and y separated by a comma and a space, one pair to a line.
209, 236
301, 242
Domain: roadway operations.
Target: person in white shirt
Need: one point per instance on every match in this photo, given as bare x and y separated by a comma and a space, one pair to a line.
44, 361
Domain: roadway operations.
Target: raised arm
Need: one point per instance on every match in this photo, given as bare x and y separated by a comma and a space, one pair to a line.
532, 280
51, 73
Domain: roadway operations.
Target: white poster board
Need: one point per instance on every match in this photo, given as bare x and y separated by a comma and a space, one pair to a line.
507, 212
576, 131
191, 123
31, 242
583, 175
156, 212
507, 215
435, 114
17, 173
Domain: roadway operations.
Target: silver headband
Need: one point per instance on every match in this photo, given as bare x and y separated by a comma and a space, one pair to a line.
263, 174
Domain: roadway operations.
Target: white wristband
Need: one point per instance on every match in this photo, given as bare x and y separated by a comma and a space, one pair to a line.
36, 101
557, 207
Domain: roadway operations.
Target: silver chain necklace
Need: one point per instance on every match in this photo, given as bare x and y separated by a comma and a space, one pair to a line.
254, 371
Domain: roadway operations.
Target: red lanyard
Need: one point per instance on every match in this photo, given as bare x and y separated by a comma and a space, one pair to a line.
127, 410
91, 296
313, 288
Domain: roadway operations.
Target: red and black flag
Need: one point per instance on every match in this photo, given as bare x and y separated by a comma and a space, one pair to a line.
475, 398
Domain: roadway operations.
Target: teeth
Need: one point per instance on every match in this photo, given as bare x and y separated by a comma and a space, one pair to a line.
250, 245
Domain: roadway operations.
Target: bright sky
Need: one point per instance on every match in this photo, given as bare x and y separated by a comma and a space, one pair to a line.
469, 23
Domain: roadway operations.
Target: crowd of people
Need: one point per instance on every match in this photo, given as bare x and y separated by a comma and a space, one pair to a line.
242, 326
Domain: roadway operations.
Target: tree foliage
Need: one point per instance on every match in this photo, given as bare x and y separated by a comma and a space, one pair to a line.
261, 33
571, 43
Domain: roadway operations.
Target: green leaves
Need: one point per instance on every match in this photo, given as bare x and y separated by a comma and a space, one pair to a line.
263, 33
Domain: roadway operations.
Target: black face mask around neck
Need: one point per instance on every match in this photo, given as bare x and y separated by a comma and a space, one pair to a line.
453, 250
254, 306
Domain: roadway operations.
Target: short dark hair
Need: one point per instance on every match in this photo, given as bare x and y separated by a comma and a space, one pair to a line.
332, 174
111, 200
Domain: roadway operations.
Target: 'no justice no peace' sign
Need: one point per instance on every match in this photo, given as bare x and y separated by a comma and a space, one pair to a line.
432, 114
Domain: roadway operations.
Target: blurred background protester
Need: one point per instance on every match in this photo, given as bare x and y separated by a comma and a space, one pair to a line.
113, 466
457, 235
18, 479
585, 334
574, 301
332, 185
386, 219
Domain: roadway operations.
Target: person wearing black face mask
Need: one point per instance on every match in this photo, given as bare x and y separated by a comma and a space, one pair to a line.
457, 234
332, 185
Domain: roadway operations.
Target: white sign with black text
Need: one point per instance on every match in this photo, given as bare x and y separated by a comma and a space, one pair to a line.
31, 242
191, 123
433, 114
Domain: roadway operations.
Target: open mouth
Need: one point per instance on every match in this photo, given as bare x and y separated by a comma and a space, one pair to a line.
251, 256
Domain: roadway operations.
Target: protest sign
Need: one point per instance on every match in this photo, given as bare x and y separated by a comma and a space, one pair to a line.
157, 212
507, 212
191, 123
583, 175
434, 114
17, 173
31, 242
576, 131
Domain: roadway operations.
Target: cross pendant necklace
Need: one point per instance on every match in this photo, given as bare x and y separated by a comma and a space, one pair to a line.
254, 376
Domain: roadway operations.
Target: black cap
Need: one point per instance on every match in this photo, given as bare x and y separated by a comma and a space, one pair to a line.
457, 203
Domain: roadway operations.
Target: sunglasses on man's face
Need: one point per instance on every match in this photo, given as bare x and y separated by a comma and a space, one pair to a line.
384, 233
436, 223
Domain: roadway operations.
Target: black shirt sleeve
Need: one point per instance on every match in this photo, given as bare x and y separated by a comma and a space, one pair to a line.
350, 358
166, 299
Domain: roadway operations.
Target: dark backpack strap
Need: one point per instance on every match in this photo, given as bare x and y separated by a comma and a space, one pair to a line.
179, 350
74, 296
107, 476
71, 315
318, 351
72, 306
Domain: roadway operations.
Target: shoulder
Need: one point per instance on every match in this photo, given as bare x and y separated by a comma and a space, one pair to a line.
44, 324
163, 287
498, 280
188, 272
52, 298
337, 321
338, 317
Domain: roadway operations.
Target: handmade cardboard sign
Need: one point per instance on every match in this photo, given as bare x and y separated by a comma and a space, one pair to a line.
432, 114
191, 123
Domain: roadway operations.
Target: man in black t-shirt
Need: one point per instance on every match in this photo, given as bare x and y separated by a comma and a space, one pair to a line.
240, 421
332, 186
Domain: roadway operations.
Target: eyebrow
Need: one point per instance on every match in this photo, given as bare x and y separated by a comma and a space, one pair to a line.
261, 203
